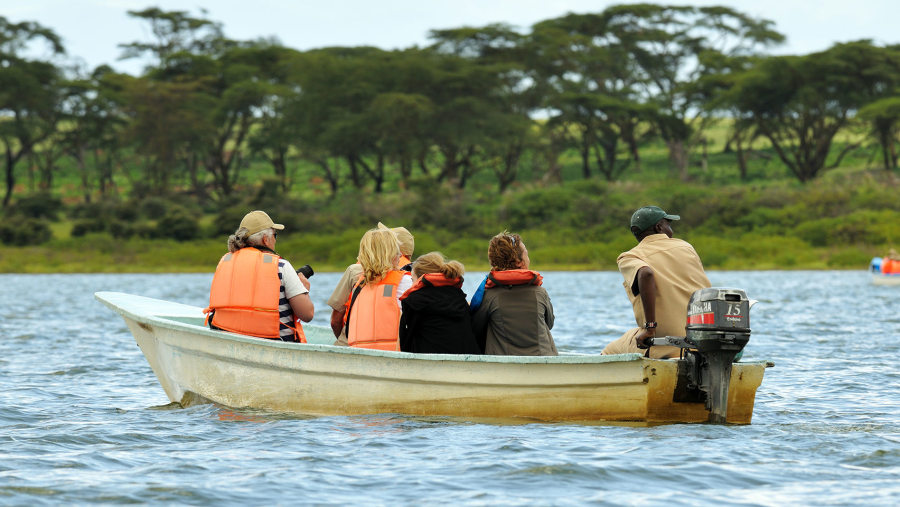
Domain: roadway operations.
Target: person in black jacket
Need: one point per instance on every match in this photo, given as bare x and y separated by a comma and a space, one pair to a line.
436, 317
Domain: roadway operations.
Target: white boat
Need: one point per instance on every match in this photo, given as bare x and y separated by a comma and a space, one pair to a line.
194, 362
879, 278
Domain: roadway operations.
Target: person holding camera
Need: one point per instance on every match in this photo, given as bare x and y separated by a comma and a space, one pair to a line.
255, 291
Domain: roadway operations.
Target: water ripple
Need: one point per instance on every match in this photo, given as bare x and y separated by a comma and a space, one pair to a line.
84, 420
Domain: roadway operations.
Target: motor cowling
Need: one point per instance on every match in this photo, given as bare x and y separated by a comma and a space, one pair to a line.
718, 319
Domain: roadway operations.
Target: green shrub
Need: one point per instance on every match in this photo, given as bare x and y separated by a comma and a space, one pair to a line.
90, 210
849, 257
154, 207
40, 205
126, 211
227, 220
122, 229
860, 227
178, 224
88, 225
536, 207
18, 230
437, 207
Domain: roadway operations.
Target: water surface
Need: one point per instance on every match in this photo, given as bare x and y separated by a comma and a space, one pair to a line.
84, 420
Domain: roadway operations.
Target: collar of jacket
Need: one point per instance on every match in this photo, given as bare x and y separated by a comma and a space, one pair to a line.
433, 280
655, 237
510, 277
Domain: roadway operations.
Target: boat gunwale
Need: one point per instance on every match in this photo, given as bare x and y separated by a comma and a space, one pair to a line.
133, 307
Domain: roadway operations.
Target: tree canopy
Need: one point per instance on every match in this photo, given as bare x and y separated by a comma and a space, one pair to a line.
477, 102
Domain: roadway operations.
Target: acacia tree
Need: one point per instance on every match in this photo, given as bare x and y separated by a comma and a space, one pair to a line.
215, 82
883, 117
29, 94
799, 103
588, 83
715, 89
338, 86
276, 137
94, 126
499, 54
671, 48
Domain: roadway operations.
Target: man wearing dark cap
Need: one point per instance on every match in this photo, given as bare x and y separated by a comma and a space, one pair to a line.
660, 273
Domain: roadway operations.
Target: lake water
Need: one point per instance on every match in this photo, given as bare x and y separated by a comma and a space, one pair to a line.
84, 420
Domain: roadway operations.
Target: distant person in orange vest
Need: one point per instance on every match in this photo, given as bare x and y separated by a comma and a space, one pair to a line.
515, 315
436, 317
254, 290
373, 307
338, 299
661, 273
890, 264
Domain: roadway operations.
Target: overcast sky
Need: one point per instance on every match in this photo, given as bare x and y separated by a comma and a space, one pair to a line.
91, 29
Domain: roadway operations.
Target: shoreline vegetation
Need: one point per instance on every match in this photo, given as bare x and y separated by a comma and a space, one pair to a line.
839, 221
557, 132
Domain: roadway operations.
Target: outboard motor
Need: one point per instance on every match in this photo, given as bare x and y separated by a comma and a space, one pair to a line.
718, 328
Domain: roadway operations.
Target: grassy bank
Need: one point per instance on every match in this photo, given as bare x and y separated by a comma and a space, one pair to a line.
104, 255
836, 223
766, 221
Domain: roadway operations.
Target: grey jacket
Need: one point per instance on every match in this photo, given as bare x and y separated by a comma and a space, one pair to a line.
515, 321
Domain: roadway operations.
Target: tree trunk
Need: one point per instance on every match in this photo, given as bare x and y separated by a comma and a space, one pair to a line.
82, 169
406, 167
451, 164
741, 157
467, 168
10, 179
331, 175
354, 172
704, 161
679, 157
11, 161
585, 158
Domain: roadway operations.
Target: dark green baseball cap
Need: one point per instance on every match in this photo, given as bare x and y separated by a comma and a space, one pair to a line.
646, 217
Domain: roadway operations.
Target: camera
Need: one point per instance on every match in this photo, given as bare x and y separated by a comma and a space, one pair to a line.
306, 271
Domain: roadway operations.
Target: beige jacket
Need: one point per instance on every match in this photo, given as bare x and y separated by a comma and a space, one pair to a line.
678, 273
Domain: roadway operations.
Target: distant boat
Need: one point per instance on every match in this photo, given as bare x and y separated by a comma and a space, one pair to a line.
194, 363
879, 278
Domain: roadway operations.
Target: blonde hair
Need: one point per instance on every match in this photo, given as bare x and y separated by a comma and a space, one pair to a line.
240, 238
378, 251
505, 251
435, 262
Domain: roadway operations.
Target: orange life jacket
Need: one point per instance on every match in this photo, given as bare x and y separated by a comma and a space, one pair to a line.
405, 263
373, 315
245, 293
511, 277
433, 280
889, 266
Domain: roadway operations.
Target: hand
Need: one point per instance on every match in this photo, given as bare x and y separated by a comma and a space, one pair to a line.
303, 280
642, 340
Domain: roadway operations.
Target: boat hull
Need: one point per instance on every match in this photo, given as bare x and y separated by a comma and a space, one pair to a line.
319, 379
881, 279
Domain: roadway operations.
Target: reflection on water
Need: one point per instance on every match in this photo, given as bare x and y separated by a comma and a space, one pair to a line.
84, 420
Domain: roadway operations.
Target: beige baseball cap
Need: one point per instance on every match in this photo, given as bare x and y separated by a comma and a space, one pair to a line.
406, 240
256, 221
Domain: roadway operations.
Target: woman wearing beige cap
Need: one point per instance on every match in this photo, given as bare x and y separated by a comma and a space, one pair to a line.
255, 291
